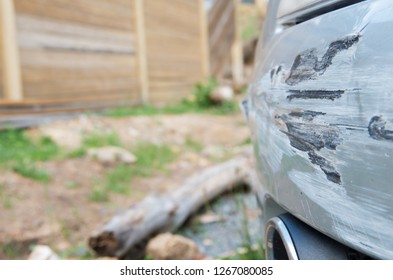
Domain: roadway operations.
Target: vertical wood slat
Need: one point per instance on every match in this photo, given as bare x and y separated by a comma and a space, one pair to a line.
141, 53
11, 64
237, 50
204, 35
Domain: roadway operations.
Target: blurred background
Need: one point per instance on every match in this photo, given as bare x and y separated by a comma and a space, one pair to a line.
104, 102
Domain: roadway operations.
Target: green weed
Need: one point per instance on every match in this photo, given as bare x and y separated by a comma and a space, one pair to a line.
7, 202
251, 28
77, 153
182, 108
99, 194
249, 250
193, 145
71, 185
80, 252
199, 102
19, 153
153, 157
100, 139
246, 142
202, 93
15, 146
95, 140
9, 250
5, 199
65, 231
31, 172
148, 111
119, 179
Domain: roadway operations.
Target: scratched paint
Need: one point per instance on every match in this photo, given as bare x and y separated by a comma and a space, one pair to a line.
322, 123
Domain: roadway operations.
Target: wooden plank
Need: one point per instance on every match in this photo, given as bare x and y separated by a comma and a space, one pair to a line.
142, 55
33, 102
1, 60
10, 56
222, 34
237, 49
223, 52
78, 49
42, 33
70, 107
226, 21
204, 37
104, 13
173, 48
215, 13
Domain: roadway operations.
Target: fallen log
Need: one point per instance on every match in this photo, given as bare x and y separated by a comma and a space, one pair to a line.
126, 234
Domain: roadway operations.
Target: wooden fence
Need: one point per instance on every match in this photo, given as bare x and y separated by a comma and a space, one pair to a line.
62, 55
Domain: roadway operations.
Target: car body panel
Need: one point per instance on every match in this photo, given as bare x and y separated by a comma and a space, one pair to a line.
321, 114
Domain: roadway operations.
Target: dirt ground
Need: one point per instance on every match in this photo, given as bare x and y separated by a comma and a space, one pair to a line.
60, 213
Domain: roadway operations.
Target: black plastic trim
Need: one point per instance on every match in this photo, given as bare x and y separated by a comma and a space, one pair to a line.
315, 10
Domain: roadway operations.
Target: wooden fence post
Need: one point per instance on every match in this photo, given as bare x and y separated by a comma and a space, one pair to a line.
237, 50
10, 52
204, 33
142, 54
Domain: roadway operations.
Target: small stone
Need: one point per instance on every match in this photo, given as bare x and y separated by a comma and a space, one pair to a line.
196, 159
222, 94
209, 218
207, 242
43, 252
214, 152
111, 155
167, 246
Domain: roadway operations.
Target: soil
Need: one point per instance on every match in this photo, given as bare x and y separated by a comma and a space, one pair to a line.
60, 213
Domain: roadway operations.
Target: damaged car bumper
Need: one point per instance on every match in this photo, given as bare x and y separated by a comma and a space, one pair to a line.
320, 110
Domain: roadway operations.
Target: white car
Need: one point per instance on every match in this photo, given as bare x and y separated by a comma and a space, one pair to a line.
320, 108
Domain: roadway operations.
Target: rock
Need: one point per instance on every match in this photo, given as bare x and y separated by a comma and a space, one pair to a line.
43, 252
111, 155
214, 152
209, 218
167, 246
222, 94
195, 159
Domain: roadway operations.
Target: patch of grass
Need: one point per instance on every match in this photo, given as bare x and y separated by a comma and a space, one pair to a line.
19, 153
77, 153
15, 146
99, 194
95, 140
248, 253
71, 185
5, 199
65, 231
118, 179
249, 250
182, 108
7, 202
246, 142
150, 157
193, 145
80, 252
250, 29
31, 172
202, 93
198, 102
149, 111
9, 250
100, 139
153, 157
